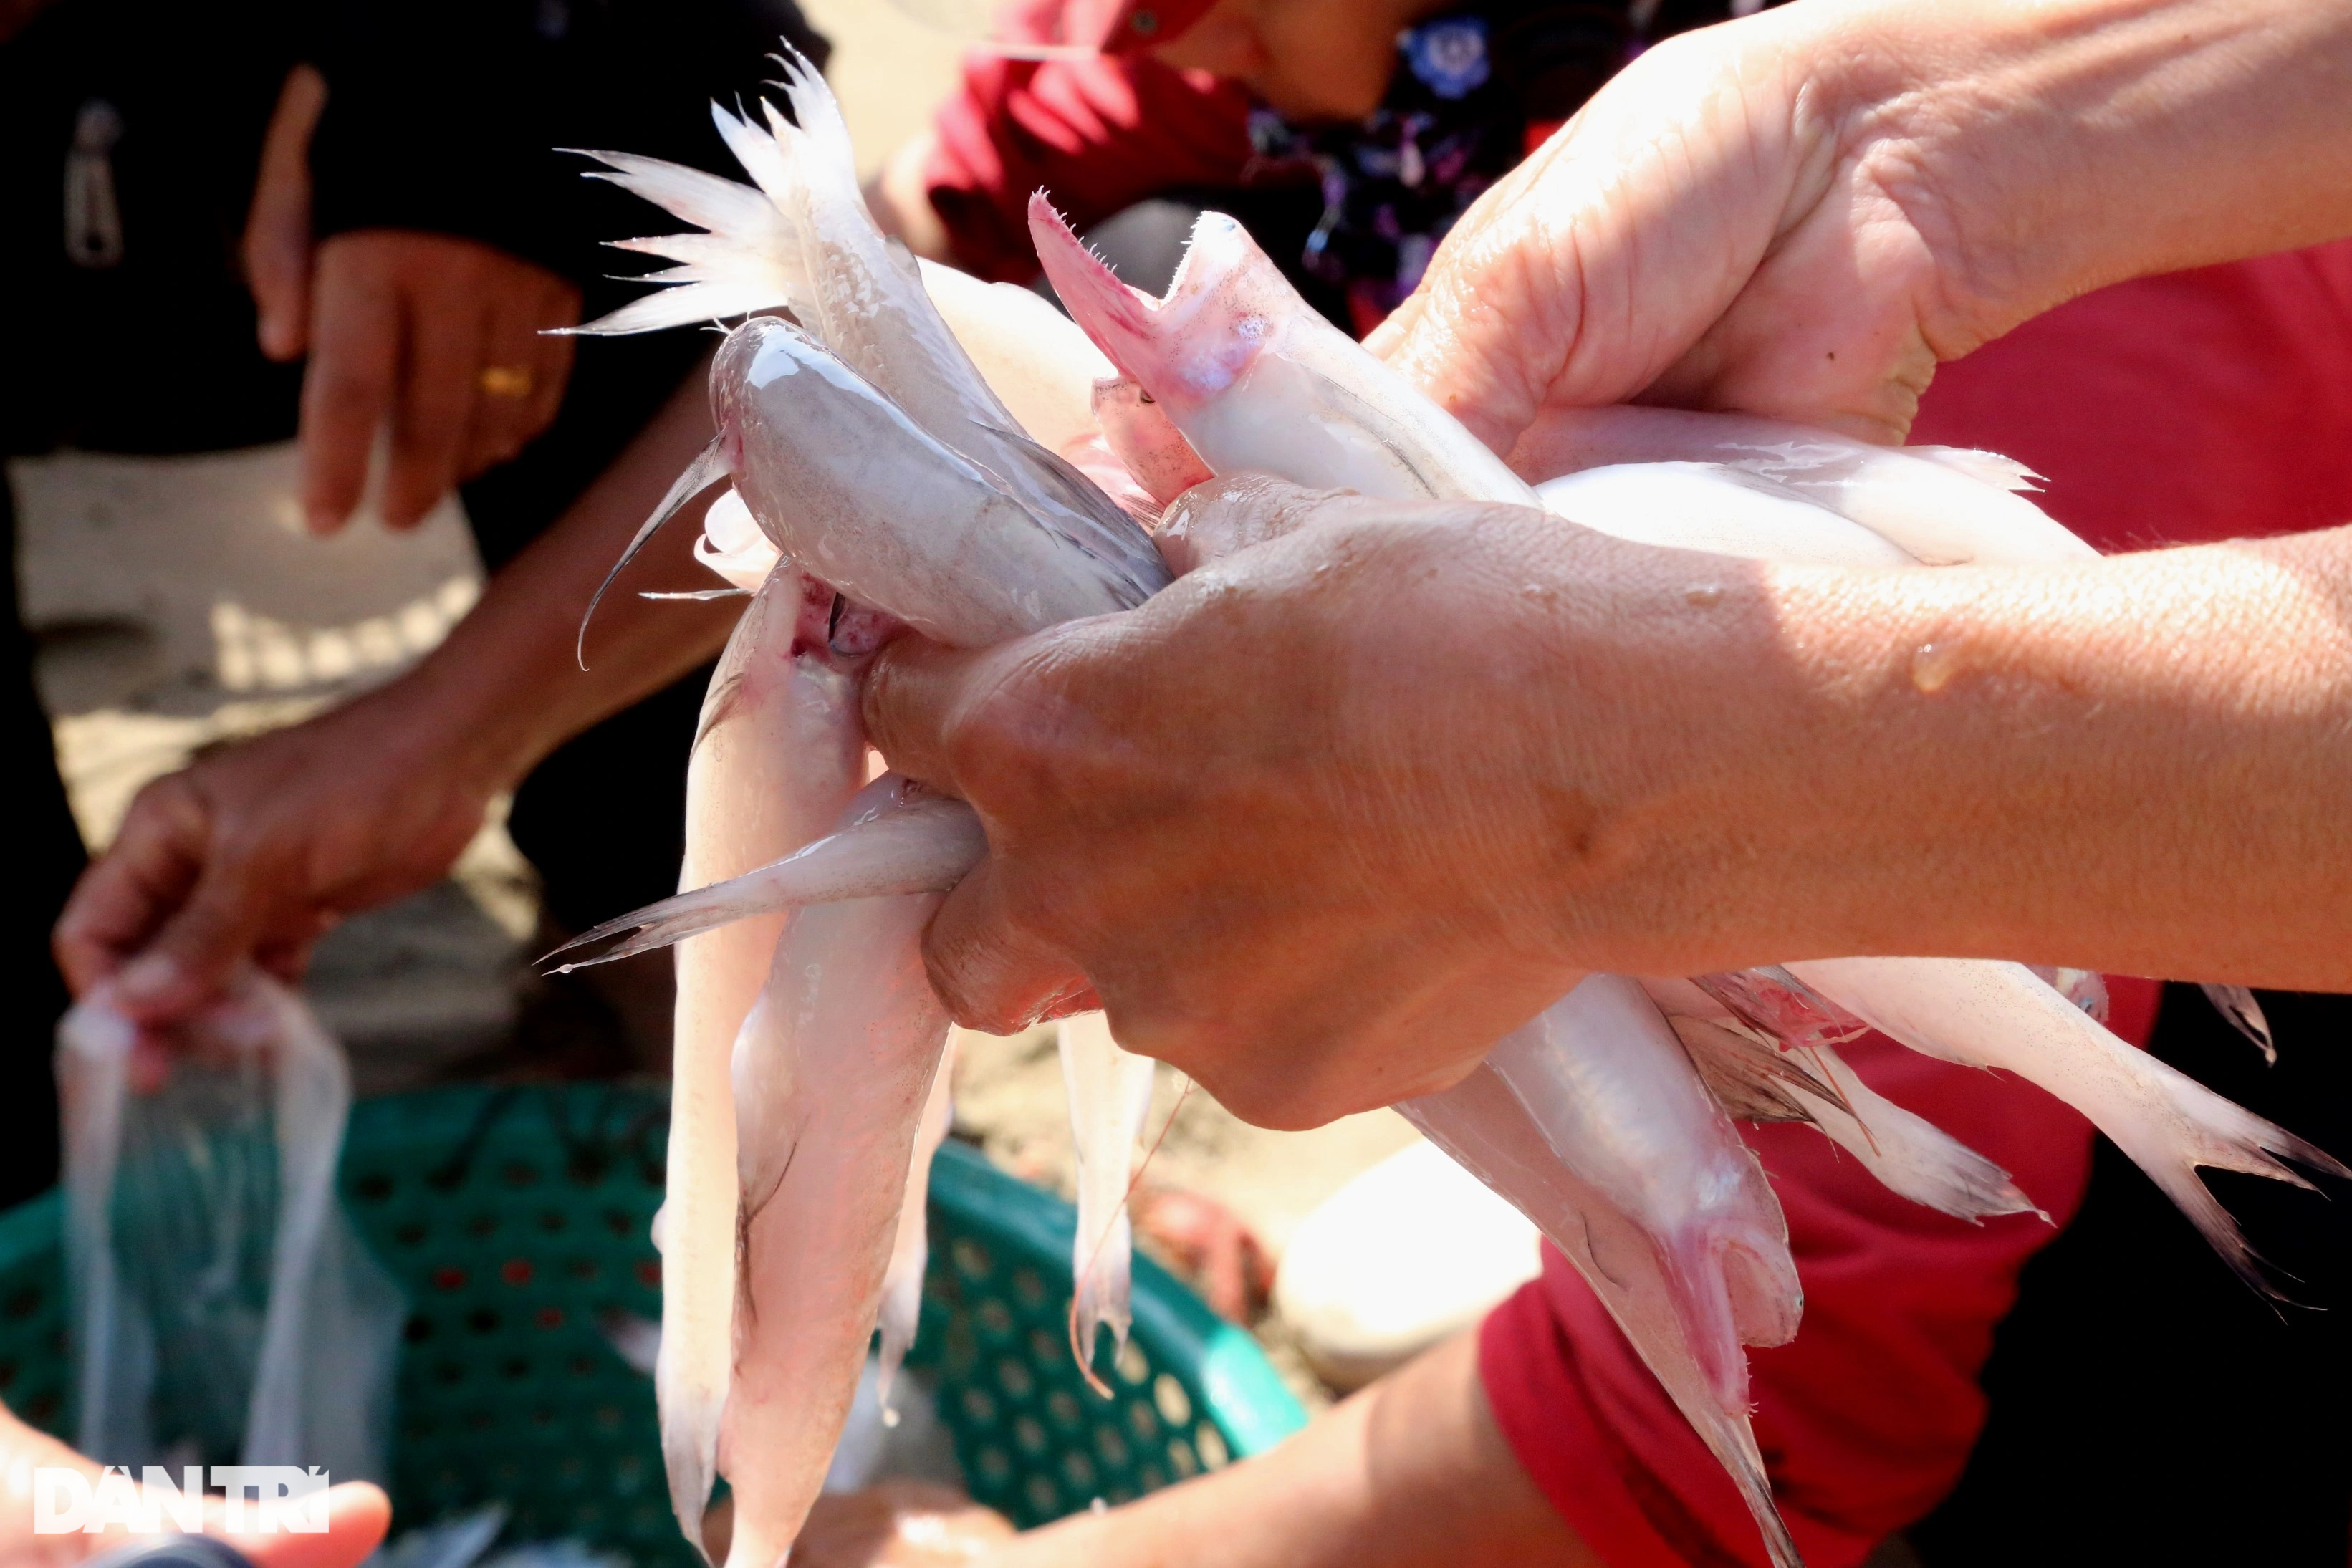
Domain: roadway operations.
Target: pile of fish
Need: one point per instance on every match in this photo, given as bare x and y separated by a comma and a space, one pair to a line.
914, 450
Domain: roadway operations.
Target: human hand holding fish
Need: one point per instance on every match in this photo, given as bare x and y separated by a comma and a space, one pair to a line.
1517, 752
877, 450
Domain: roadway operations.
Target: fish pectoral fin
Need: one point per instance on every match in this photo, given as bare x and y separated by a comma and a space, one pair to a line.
708, 467
1752, 1080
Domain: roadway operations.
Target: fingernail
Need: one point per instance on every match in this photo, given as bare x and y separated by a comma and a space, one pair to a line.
149, 977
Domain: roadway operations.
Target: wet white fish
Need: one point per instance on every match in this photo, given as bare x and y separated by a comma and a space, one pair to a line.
1499, 1138
831, 1072
1229, 310
1111, 1093
835, 470
910, 1249
1757, 1077
806, 242
2002, 1015
778, 752
1256, 380
1622, 1106
1245, 378
1942, 506
882, 464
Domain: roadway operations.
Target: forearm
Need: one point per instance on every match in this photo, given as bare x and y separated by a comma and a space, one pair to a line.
2139, 765
1411, 1473
2047, 147
506, 688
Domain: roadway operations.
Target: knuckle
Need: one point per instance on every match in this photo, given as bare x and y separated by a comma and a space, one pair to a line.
1013, 731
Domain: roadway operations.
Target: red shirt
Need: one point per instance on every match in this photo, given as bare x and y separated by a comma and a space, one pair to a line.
1097, 135
2198, 406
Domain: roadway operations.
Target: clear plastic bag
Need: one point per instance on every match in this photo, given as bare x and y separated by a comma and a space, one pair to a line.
224, 1309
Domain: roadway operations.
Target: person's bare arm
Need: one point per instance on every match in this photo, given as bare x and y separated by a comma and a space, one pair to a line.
256, 849
1802, 212
1379, 789
1412, 1472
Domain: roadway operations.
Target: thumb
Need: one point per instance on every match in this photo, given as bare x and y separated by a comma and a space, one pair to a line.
916, 694
358, 1514
191, 957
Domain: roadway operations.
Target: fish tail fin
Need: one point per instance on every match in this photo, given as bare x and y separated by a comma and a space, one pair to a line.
690, 1456
1987, 1014
1103, 1262
901, 1314
1985, 467
1109, 1092
1910, 1154
2237, 1004
1117, 316
1725, 1290
2195, 1127
1733, 1442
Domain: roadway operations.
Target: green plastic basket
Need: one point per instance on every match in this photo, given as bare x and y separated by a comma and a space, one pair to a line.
515, 1218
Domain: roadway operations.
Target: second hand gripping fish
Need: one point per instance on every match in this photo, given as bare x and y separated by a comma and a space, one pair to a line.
1233, 368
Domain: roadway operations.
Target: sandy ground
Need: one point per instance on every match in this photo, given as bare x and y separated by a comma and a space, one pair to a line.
167, 626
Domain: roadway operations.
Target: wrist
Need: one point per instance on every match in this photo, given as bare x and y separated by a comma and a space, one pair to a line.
2039, 149
480, 736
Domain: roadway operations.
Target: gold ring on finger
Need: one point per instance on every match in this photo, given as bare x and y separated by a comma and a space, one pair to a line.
505, 381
